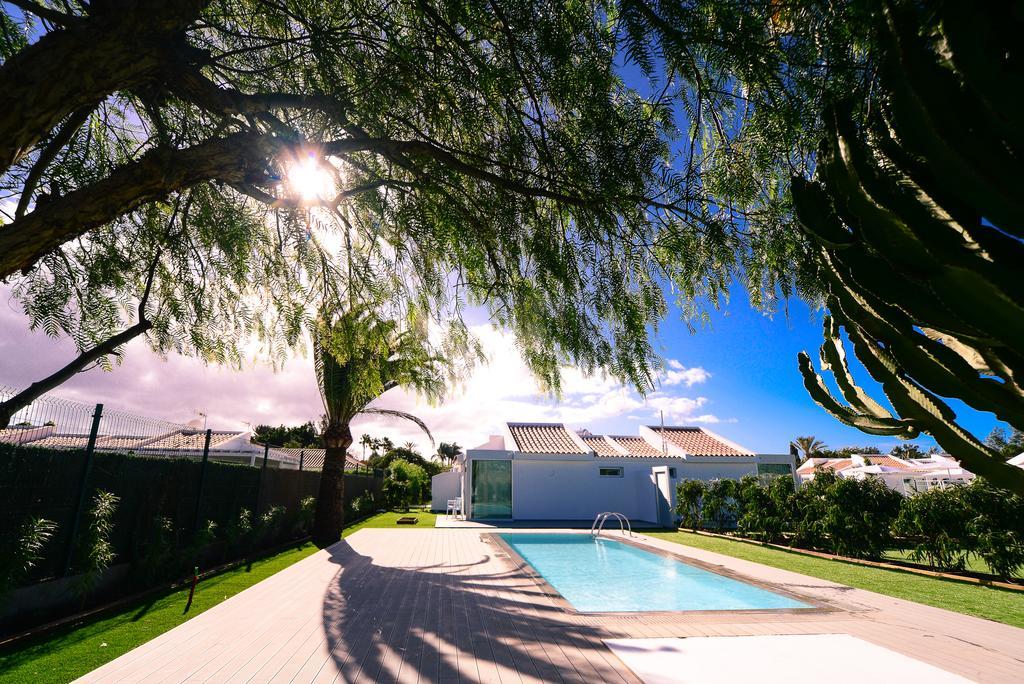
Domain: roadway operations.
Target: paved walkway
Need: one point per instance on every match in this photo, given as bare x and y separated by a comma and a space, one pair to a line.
447, 605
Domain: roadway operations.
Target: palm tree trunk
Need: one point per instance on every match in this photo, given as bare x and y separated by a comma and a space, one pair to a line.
329, 519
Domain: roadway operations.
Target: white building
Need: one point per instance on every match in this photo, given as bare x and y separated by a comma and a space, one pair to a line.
545, 471
905, 476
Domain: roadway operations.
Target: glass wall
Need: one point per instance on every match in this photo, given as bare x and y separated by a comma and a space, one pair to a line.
492, 489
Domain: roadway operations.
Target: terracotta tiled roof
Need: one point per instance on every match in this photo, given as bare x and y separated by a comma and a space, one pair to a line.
636, 446
62, 442
190, 440
697, 441
887, 461
313, 459
544, 438
600, 445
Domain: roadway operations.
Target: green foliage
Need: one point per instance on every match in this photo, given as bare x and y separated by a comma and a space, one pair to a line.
239, 532
154, 559
1006, 445
294, 437
945, 526
935, 524
809, 446
307, 507
384, 461
95, 550
689, 495
26, 551
405, 484
364, 504
272, 525
766, 510
718, 505
907, 451
996, 526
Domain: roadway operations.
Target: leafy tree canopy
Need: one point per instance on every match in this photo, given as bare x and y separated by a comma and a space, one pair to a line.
297, 436
1006, 444
485, 153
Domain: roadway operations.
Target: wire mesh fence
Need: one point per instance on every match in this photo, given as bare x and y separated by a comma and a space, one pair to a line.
57, 454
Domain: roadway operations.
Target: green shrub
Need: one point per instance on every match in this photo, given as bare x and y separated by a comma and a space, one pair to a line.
97, 553
239, 533
272, 525
689, 494
859, 517
765, 509
935, 524
155, 557
718, 508
996, 526
404, 484
307, 509
364, 504
24, 554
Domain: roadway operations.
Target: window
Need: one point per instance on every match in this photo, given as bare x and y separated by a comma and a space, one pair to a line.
774, 469
610, 472
672, 473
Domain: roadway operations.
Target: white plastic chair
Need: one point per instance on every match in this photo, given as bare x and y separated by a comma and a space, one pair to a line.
454, 507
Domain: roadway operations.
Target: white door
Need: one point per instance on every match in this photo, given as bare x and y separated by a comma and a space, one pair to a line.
663, 495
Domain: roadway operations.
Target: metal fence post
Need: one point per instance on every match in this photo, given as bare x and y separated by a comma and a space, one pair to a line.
202, 478
259, 483
302, 455
90, 447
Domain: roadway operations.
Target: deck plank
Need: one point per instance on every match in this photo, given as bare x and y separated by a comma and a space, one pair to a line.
443, 605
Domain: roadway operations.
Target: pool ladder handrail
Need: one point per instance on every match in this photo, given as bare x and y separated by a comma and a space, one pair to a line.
602, 518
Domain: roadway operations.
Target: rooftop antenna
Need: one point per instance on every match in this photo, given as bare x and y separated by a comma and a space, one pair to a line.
664, 446
203, 414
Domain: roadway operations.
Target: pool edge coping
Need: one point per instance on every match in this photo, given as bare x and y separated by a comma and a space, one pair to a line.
817, 606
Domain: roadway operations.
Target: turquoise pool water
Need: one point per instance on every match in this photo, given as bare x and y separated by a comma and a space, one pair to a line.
604, 575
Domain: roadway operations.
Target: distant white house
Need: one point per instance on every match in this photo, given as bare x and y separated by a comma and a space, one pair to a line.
545, 471
229, 446
905, 476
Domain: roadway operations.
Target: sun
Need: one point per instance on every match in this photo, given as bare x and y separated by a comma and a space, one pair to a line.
309, 180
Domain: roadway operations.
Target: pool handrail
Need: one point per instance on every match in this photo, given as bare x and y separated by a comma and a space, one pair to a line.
598, 524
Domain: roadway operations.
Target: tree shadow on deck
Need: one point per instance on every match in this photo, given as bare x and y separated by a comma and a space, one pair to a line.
444, 622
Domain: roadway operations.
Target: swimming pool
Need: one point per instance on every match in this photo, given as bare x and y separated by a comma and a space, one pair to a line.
597, 575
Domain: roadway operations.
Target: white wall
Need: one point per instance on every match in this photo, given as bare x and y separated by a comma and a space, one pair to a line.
444, 486
552, 489
718, 469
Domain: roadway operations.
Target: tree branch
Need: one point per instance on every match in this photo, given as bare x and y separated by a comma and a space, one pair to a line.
37, 389
73, 123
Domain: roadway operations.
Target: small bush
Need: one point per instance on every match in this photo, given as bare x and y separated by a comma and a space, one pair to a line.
239, 533
718, 509
97, 551
24, 554
935, 524
689, 494
307, 509
157, 553
996, 526
272, 525
364, 504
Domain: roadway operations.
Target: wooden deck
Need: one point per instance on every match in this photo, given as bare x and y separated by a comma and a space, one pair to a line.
446, 605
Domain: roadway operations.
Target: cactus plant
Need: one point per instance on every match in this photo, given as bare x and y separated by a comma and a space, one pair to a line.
916, 215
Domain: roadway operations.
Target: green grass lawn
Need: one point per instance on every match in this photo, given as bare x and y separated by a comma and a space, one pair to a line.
389, 519
73, 651
1001, 605
974, 564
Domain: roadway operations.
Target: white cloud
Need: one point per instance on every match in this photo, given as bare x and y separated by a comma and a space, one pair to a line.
676, 374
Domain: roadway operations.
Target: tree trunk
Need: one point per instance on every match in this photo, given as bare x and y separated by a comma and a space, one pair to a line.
330, 503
